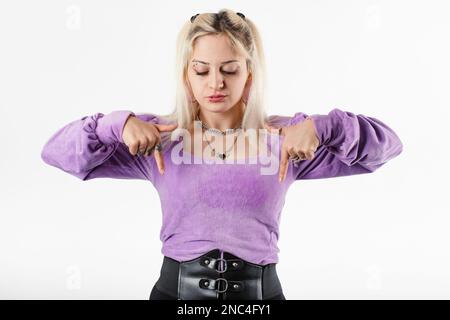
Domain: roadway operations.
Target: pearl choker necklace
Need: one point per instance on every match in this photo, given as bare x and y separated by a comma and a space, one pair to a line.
214, 130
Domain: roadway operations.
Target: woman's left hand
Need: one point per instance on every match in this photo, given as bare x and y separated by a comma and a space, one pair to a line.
300, 142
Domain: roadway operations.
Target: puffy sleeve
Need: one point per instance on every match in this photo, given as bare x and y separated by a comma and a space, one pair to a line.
92, 147
349, 144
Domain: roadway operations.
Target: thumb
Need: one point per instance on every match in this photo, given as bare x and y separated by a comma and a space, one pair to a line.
166, 127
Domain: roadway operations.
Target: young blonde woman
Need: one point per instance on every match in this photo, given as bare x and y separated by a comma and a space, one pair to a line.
221, 166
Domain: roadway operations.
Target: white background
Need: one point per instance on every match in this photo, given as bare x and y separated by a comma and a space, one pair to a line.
377, 236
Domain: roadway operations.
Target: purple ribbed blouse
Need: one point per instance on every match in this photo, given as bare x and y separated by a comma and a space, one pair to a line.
233, 207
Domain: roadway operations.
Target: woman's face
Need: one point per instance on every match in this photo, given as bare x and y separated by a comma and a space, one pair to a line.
213, 63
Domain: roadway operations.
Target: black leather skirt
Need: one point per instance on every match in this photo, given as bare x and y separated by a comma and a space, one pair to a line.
218, 275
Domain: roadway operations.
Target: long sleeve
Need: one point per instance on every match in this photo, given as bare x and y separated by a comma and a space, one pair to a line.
92, 147
349, 144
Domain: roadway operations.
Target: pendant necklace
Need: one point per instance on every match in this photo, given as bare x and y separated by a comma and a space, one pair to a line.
220, 155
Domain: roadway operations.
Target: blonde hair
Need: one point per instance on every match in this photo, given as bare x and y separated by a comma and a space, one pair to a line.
245, 40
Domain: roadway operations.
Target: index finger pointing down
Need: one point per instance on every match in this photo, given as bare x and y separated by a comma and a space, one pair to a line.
283, 165
159, 157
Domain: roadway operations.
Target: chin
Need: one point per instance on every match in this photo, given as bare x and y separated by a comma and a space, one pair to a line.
218, 107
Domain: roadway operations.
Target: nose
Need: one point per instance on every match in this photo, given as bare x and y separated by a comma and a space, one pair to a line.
215, 80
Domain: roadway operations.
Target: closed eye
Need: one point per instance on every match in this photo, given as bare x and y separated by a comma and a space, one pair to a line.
205, 73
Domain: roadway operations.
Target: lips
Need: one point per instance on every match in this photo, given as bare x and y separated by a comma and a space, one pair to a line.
216, 96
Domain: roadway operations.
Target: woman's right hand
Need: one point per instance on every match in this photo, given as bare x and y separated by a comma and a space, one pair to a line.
141, 137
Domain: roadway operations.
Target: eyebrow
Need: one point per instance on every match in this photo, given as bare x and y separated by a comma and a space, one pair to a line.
225, 62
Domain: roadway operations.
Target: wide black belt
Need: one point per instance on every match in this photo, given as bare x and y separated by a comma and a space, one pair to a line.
210, 277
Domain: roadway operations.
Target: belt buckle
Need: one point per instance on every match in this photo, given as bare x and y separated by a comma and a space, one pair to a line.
218, 285
226, 265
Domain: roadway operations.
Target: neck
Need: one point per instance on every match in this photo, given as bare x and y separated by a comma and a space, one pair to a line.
223, 120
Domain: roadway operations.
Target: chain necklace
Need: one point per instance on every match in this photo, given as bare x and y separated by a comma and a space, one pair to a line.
220, 155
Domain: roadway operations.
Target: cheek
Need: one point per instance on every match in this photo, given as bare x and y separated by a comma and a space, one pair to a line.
238, 87
195, 85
